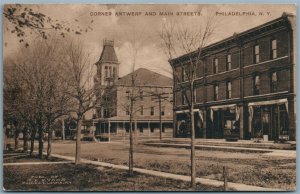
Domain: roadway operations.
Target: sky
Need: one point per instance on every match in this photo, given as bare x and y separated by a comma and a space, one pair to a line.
143, 30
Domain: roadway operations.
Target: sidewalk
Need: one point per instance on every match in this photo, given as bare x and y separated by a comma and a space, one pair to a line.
290, 145
215, 183
270, 152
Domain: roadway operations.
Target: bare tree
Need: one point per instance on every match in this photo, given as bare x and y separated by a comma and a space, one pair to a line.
80, 89
179, 39
36, 83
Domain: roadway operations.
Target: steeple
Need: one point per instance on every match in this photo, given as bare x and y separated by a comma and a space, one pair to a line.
108, 65
108, 53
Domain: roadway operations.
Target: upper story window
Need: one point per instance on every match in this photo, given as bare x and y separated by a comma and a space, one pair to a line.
184, 77
141, 95
183, 98
256, 85
127, 95
274, 49
142, 110
215, 65
127, 110
228, 62
256, 54
162, 111
114, 72
106, 71
152, 111
274, 81
216, 92
228, 90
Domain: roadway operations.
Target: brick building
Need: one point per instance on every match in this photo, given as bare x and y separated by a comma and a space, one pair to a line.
244, 85
112, 116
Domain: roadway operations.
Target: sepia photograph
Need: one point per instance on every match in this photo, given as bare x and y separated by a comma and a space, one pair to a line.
149, 97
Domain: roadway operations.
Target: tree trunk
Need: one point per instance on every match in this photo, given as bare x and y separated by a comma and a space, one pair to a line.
160, 123
16, 138
193, 164
78, 142
25, 142
63, 129
131, 140
33, 131
41, 143
49, 148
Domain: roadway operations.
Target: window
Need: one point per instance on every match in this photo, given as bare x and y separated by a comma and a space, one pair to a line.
215, 65
114, 72
228, 63
274, 82
183, 98
152, 111
106, 112
274, 49
127, 110
142, 110
256, 54
110, 72
106, 72
184, 74
163, 111
141, 95
256, 84
216, 92
228, 90
127, 95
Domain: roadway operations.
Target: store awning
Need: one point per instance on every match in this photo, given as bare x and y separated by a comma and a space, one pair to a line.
265, 103
221, 107
214, 108
269, 102
186, 111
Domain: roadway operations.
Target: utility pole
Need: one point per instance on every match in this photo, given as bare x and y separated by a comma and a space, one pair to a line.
160, 97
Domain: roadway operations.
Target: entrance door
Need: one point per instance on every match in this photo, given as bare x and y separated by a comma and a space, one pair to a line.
266, 121
218, 124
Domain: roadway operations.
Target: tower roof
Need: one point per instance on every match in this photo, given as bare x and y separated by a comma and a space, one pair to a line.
108, 53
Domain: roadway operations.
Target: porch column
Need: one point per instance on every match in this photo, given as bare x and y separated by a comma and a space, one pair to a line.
241, 122
100, 127
250, 124
108, 130
124, 131
204, 124
149, 130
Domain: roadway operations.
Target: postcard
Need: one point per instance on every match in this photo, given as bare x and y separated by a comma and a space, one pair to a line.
149, 97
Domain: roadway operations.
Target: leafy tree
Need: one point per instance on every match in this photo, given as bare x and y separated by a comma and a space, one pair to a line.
26, 20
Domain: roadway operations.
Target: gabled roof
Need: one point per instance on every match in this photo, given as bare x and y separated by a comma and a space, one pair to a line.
108, 53
145, 77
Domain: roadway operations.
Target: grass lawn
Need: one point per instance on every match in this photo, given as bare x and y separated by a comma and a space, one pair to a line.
69, 177
248, 168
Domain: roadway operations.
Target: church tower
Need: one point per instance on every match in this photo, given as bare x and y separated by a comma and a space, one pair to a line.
107, 74
107, 66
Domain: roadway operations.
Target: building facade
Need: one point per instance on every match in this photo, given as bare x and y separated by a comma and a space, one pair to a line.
151, 95
244, 85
